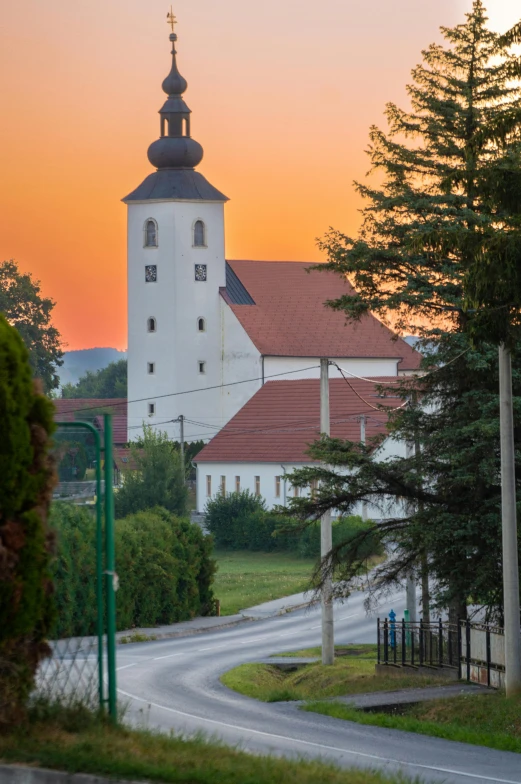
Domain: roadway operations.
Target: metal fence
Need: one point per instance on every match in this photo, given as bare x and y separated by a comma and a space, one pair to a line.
475, 652
77, 666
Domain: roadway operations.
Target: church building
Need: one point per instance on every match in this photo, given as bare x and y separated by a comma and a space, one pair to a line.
206, 335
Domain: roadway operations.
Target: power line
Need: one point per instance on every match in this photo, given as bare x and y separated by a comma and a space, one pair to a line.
190, 391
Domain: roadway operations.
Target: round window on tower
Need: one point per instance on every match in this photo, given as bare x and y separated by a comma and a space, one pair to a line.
199, 234
150, 231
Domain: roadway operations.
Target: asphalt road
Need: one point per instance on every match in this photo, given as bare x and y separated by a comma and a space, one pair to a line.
174, 685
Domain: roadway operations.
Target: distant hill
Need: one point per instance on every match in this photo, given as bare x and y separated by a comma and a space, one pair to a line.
76, 363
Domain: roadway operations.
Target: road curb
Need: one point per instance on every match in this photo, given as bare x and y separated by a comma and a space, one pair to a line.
19, 774
185, 632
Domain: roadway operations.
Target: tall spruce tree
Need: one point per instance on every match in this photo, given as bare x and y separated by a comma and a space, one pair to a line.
410, 265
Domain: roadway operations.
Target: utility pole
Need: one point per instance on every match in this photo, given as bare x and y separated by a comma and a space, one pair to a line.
181, 421
509, 528
363, 441
326, 540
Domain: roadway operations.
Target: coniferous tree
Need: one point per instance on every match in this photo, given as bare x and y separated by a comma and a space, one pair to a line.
410, 266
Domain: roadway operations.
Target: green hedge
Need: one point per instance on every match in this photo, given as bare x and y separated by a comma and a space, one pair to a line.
240, 521
164, 566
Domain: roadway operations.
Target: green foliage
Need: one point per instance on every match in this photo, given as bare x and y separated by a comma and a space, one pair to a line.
412, 265
109, 382
240, 521
26, 606
164, 564
158, 480
30, 313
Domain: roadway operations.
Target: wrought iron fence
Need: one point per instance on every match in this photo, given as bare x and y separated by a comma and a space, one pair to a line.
419, 644
475, 651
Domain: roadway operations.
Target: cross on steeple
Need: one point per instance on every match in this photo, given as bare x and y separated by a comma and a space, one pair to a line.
171, 19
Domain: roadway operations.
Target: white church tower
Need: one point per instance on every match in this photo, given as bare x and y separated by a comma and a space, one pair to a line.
176, 266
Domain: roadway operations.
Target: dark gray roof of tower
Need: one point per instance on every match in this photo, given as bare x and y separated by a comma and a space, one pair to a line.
175, 184
235, 290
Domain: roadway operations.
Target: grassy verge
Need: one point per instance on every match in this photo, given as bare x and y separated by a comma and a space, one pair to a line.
480, 719
352, 673
75, 741
245, 578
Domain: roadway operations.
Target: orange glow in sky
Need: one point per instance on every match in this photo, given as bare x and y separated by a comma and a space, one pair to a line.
282, 92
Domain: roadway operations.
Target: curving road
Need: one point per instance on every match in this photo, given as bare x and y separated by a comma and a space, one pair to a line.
174, 685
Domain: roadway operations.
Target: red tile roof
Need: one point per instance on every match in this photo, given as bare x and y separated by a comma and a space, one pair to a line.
289, 317
124, 458
119, 428
279, 422
68, 409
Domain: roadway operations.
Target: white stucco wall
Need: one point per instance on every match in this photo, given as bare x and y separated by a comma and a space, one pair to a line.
267, 472
240, 360
360, 367
176, 300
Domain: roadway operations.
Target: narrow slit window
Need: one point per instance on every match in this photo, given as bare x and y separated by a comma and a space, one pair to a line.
151, 368
151, 409
199, 234
237, 484
208, 486
202, 367
201, 325
296, 492
152, 325
223, 485
151, 234
257, 485
277, 487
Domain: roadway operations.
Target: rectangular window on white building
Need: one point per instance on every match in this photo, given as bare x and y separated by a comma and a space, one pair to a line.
223, 485
151, 409
208, 486
257, 485
277, 487
151, 367
237, 484
296, 492
313, 486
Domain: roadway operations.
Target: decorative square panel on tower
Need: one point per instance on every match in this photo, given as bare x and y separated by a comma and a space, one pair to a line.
200, 272
151, 273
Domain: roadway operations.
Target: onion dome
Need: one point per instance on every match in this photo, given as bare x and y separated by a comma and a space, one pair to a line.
175, 149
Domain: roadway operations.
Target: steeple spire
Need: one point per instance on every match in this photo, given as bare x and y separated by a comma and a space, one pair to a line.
175, 149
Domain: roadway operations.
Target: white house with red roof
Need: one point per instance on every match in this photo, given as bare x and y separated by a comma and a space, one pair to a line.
270, 436
208, 338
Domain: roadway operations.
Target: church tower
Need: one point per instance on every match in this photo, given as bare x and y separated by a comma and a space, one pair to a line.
176, 266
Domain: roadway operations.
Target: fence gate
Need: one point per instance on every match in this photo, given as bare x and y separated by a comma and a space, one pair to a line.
82, 665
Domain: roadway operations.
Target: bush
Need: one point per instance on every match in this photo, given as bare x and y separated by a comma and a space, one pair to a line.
158, 481
164, 566
27, 479
233, 520
240, 521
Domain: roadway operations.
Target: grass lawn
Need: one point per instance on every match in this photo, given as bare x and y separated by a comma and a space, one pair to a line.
246, 578
76, 741
481, 719
352, 673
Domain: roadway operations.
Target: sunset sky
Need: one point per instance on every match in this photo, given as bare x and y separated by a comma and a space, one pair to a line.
282, 93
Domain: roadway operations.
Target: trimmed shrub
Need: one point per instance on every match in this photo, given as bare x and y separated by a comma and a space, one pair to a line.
164, 566
27, 479
240, 521
232, 520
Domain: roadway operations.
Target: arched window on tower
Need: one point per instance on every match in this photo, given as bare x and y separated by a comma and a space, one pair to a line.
150, 233
151, 325
201, 325
199, 234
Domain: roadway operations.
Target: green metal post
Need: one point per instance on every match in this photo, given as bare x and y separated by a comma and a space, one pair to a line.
110, 569
99, 548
